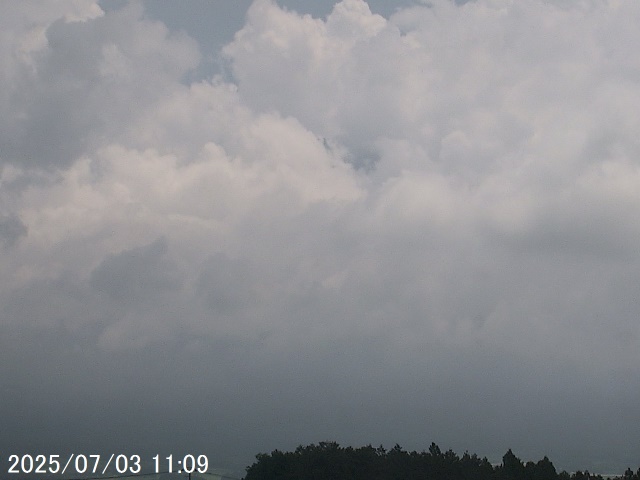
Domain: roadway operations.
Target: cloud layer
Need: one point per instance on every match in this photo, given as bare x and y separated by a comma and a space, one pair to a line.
377, 230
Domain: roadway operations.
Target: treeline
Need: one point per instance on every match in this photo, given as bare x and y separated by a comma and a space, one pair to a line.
330, 461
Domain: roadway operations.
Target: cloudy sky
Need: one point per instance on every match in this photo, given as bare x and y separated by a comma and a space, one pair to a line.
229, 227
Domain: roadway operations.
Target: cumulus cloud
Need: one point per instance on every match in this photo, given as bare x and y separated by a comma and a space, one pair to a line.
74, 80
406, 229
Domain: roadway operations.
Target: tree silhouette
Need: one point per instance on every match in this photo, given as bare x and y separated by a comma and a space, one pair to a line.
329, 461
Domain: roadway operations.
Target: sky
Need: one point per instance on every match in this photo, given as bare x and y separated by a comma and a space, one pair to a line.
231, 227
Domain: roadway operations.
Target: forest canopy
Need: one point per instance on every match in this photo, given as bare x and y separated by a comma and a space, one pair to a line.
330, 461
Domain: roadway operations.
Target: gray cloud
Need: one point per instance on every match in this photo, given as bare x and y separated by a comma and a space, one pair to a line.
206, 265
76, 87
11, 230
136, 274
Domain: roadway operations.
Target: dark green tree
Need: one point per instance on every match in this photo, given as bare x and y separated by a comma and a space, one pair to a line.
512, 467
